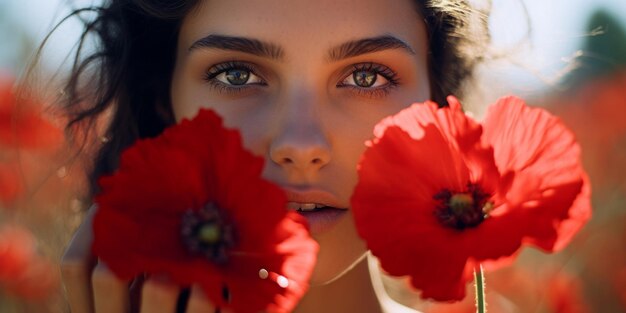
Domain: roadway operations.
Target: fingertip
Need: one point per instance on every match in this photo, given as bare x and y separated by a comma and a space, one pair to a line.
159, 295
110, 293
76, 276
198, 301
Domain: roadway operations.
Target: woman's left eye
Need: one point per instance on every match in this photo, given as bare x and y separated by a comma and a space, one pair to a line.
369, 76
365, 79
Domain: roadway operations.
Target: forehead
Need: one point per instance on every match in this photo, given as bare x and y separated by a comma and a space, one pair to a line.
300, 26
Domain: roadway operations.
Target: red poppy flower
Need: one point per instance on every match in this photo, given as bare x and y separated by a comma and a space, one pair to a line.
565, 294
10, 182
23, 272
595, 114
22, 124
439, 193
191, 204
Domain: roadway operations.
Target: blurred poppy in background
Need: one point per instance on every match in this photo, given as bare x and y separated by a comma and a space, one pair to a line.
23, 129
23, 272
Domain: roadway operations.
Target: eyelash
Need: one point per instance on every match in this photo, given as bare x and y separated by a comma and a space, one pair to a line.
218, 69
378, 92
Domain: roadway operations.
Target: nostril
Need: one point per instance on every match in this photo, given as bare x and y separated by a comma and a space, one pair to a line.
293, 156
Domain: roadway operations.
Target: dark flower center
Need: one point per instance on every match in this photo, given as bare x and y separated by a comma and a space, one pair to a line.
462, 209
207, 232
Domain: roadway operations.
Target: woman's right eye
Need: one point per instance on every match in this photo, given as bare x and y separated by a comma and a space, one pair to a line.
234, 75
238, 77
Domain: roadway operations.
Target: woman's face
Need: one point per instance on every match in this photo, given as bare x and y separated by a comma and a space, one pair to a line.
305, 82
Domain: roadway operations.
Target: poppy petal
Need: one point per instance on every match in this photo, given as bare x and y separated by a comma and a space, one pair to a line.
545, 159
139, 221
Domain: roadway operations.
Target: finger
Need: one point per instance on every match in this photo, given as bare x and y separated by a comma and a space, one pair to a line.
198, 302
134, 291
76, 266
159, 296
110, 293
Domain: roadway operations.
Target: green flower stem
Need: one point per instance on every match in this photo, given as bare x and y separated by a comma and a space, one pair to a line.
479, 284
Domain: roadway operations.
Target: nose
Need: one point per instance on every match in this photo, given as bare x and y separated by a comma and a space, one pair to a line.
302, 150
301, 146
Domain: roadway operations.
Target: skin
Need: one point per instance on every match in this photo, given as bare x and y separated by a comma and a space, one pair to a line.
304, 112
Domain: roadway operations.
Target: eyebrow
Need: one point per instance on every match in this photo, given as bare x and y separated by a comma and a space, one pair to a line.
272, 51
247, 45
368, 45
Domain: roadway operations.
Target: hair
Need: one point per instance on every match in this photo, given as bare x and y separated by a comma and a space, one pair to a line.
129, 71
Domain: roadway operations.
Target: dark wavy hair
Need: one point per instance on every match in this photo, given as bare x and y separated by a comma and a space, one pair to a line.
129, 72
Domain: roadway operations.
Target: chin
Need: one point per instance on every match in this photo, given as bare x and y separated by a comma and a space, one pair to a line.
340, 250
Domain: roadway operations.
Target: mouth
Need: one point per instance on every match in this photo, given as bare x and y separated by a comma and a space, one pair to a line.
310, 207
321, 209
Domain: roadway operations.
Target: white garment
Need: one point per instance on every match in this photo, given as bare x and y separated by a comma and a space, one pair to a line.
388, 305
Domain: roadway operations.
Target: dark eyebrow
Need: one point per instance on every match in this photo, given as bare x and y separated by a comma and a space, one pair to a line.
368, 45
242, 44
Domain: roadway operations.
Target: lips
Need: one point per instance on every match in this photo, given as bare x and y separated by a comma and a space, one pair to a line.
321, 208
305, 207
306, 197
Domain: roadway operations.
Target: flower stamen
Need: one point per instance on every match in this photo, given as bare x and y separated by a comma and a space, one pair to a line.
460, 210
207, 232
460, 203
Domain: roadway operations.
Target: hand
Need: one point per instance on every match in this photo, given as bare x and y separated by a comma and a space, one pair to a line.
92, 288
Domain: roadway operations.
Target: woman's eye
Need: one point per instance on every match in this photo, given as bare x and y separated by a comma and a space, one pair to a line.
370, 79
237, 77
366, 78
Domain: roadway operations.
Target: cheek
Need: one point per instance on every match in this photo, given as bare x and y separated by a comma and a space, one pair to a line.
189, 95
353, 124
184, 104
